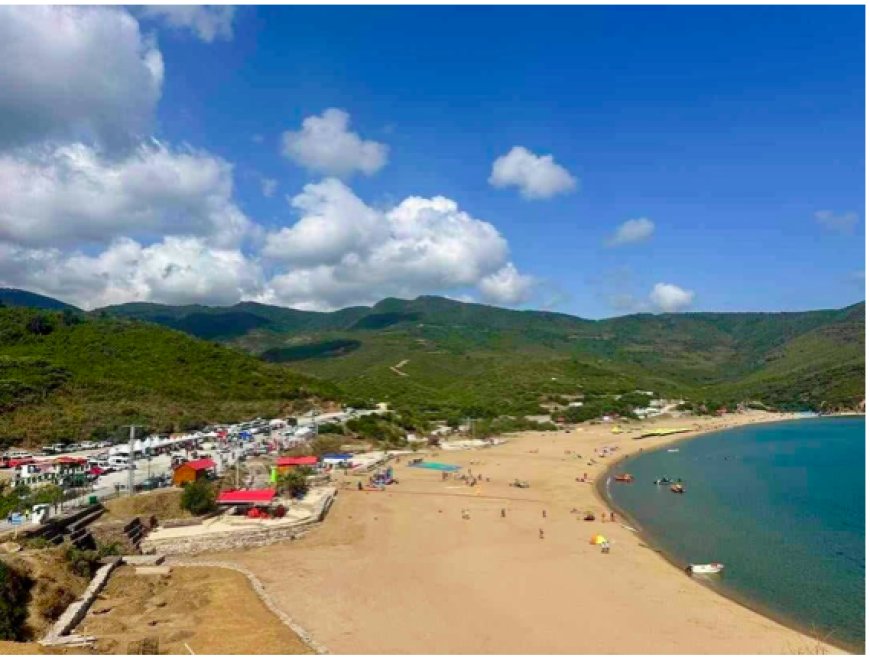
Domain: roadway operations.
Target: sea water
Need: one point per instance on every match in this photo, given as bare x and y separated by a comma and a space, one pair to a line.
780, 504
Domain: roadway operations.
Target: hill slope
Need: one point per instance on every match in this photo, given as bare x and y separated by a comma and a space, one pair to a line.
26, 299
461, 358
73, 377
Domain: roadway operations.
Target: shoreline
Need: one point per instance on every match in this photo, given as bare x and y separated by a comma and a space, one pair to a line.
366, 581
600, 488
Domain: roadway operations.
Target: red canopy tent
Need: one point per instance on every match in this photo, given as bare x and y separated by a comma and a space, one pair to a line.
247, 497
296, 461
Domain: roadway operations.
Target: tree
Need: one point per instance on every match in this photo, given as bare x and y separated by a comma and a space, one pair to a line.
40, 325
198, 497
296, 483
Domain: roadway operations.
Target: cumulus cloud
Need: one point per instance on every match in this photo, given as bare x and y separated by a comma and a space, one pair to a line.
268, 186
207, 22
635, 230
62, 195
670, 298
334, 222
71, 73
507, 286
537, 177
325, 145
342, 252
842, 223
177, 271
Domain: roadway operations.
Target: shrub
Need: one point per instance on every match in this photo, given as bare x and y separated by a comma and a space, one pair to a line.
15, 589
198, 497
82, 562
296, 483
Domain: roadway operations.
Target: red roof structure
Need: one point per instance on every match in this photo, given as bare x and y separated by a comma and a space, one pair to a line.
70, 460
247, 496
200, 464
296, 461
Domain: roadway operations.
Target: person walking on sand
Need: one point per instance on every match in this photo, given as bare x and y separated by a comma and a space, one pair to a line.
503, 513
544, 514
540, 533
612, 517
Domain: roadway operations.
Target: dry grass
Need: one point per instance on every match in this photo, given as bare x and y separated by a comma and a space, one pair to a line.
211, 610
163, 503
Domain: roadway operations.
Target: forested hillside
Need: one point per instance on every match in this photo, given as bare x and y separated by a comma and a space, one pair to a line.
64, 375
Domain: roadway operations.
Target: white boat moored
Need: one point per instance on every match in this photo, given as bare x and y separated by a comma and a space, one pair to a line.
711, 568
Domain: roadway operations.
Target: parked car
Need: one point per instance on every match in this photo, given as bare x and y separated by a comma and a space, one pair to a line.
150, 483
120, 463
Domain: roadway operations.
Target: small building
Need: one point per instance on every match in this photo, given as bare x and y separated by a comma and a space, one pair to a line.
192, 471
283, 464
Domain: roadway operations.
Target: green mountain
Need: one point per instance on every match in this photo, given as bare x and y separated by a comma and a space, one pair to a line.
26, 299
70, 376
444, 357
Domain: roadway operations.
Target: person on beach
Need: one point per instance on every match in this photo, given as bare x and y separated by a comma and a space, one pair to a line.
503, 514
540, 533
544, 513
612, 517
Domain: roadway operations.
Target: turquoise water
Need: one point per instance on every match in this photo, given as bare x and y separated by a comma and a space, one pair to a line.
435, 466
782, 505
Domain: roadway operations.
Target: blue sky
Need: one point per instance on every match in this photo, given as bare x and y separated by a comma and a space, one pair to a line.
729, 129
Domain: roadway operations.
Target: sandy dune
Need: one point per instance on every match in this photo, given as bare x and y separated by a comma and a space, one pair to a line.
403, 572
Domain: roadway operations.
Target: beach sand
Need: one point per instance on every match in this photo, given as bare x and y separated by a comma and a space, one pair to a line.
401, 571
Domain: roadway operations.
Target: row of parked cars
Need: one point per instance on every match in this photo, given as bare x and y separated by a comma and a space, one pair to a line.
66, 448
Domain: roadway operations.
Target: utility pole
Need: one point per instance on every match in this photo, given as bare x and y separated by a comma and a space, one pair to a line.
238, 458
130, 457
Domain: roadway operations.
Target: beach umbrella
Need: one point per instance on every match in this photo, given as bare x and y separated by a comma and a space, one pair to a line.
598, 539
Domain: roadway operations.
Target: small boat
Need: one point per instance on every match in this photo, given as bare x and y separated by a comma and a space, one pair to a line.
663, 480
711, 568
674, 450
677, 488
625, 477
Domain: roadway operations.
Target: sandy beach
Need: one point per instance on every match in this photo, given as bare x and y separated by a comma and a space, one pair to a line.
403, 571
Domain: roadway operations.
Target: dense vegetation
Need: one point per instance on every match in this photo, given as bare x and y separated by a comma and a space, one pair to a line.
15, 587
69, 376
72, 375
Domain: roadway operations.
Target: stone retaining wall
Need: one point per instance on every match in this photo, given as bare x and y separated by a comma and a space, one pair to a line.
222, 541
242, 538
59, 634
288, 621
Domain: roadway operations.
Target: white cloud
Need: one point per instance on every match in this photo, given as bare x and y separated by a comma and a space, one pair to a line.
177, 271
325, 145
507, 286
843, 223
334, 222
671, 298
75, 73
344, 252
537, 177
63, 195
207, 22
268, 186
635, 230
